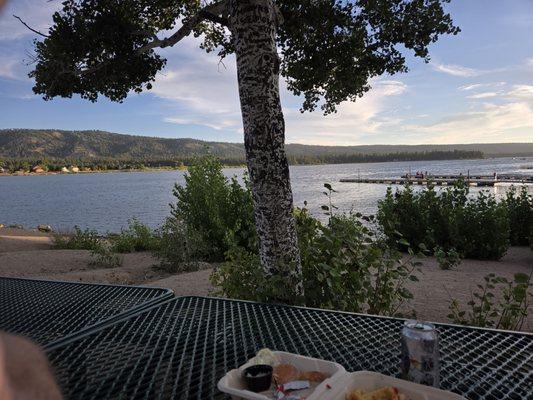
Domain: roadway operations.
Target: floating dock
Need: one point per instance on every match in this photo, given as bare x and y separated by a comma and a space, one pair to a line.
444, 180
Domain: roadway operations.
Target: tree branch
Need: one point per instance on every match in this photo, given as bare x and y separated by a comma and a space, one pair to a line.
214, 18
211, 12
29, 27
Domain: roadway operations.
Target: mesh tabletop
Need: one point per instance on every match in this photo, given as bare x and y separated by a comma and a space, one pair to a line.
182, 347
48, 311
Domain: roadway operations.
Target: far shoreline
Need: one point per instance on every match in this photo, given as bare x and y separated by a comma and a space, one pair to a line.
185, 168
91, 172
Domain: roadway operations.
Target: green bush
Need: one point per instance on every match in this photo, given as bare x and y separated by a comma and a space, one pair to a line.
87, 239
137, 237
104, 257
449, 219
498, 303
482, 228
447, 259
344, 267
179, 247
212, 211
520, 212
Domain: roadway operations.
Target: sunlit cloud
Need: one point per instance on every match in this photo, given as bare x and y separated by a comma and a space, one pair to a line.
483, 95
522, 91
471, 87
490, 123
456, 70
367, 115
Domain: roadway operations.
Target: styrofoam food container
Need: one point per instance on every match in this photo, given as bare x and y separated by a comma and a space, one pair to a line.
233, 384
369, 381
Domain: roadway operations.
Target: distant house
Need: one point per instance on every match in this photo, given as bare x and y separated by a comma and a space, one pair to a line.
64, 169
38, 169
74, 169
2, 170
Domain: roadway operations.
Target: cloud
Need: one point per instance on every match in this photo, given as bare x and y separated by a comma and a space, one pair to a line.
368, 115
521, 91
456, 70
7, 68
481, 85
470, 87
207, 94
232, 124
490, 122
483, 95
204, 89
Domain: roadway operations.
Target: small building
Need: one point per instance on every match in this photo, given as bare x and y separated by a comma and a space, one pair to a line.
74, 168
2, 170
64, 169
38, 169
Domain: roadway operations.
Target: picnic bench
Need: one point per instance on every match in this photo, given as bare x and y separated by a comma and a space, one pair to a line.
179, 348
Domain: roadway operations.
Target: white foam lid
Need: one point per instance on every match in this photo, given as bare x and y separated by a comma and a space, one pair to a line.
233, 384
369, 381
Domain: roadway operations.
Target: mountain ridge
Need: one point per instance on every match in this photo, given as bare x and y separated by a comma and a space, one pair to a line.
96, 144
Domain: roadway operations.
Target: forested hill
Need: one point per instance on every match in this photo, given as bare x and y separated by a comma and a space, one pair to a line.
44, 144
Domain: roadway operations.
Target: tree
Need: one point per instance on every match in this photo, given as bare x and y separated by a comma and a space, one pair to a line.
329, 50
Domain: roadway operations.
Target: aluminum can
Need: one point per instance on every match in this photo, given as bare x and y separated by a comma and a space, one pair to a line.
420, 353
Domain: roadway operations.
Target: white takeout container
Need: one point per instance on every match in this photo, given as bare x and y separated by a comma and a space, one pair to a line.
233, 383
368, 381
335, 387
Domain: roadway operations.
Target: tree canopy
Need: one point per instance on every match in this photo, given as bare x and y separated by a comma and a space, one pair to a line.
329, 49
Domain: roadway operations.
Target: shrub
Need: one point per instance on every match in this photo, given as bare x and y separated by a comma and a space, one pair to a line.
343, 265
520, 213
474, 227
509, 312
179, 246
137, 237
103, 257
87, 239
215, 212
447, 259
482, 228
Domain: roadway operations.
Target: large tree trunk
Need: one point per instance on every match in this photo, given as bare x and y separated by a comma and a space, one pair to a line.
253, 27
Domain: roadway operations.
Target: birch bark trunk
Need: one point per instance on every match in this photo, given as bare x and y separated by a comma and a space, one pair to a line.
253, 26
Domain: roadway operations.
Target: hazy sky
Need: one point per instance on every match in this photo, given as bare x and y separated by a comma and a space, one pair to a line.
478, 87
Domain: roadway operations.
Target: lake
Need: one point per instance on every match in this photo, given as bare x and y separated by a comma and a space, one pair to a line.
107, 201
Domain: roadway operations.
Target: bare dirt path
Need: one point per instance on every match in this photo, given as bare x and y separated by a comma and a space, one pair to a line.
30, 254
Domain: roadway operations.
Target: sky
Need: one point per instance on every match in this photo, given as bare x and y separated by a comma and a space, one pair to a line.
478, 87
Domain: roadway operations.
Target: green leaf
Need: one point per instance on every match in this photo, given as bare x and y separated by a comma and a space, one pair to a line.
520, 277
403, 242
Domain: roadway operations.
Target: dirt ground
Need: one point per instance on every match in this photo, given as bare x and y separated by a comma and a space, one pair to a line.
30, 254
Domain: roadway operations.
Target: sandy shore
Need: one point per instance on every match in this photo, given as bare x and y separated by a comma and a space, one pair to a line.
30, 254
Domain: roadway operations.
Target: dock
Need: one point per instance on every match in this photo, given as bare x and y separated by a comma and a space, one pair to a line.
443, 180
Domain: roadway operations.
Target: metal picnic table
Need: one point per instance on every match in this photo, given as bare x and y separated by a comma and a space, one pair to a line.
50, 311
180, 348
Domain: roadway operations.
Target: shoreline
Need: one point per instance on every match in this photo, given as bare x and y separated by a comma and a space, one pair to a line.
108, 171
185, 168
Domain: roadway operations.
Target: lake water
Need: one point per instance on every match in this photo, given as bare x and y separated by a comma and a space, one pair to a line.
107, 201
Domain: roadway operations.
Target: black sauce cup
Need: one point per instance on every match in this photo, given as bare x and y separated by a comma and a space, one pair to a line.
258, 377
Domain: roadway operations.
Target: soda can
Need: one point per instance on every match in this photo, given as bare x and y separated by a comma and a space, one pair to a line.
420, 353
